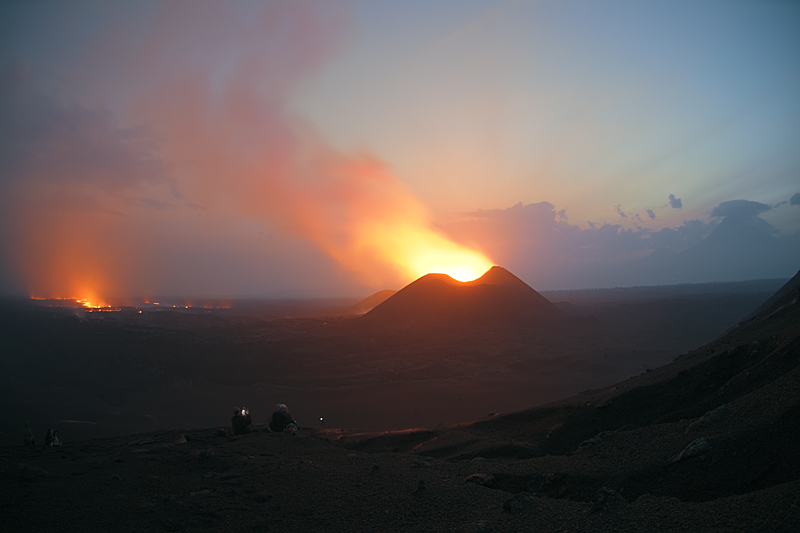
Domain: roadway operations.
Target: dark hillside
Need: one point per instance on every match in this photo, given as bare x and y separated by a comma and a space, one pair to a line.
720, 420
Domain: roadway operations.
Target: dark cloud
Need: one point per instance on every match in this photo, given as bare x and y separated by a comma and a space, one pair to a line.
43, 140
538, 243
679, 238
620, 212
740, 209
795, 200
651, 214
675, 203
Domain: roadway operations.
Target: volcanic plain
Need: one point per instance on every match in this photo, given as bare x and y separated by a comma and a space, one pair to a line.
663, 409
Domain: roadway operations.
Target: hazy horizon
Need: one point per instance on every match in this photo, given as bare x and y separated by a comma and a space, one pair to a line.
319, 150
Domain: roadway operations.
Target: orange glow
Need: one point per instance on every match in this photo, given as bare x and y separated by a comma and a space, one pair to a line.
92, 236
418, 250
89, 303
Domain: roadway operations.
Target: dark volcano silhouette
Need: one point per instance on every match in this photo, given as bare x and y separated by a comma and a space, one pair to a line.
496, 297
371, 302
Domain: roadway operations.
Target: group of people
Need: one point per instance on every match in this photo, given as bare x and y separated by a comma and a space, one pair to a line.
50, 438
280, 421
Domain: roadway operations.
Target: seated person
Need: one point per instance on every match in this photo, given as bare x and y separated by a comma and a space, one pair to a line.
241, 421
29, 439
50, 438
281, 419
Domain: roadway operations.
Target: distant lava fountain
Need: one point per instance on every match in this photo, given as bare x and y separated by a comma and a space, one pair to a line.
423, 251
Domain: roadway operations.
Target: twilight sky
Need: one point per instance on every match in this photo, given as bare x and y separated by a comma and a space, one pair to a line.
300, 148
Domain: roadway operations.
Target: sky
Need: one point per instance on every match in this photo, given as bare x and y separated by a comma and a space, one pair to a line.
331, 148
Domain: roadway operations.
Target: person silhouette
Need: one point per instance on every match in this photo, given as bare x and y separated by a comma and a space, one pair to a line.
241, 421
30, 440
281, 420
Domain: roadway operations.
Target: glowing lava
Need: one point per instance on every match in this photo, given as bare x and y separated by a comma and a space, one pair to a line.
411, 244
449, 258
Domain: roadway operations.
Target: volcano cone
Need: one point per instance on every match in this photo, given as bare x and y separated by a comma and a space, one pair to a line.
496, 297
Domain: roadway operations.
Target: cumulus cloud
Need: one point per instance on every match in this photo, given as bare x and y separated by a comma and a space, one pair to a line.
740, 209
689, 233
537, 243
651, 214
675, 203
543, 248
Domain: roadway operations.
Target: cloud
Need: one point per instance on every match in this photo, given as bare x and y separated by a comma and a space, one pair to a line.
620, 212
541, 247
740, 209
651, 214
537, 243
679, 238
51, 142
675, 203
795, 200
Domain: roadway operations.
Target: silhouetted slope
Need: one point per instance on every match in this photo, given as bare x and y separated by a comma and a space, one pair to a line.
785, 296
759, 351
370, 302
732, 408
497, 296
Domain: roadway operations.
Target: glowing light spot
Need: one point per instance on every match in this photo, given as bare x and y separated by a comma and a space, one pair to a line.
419, 250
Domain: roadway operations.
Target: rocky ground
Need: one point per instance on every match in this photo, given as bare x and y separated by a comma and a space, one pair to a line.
198, 481
706, 443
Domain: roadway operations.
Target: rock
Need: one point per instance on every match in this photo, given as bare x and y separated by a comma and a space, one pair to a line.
521, 503
221, 432
205, 454
486, 480
709, 418
551, 479
477, 459
606, 499
420, 488
421, 463
697, 447
594, 440
481, 526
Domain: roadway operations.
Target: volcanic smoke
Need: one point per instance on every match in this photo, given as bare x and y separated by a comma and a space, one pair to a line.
100, 203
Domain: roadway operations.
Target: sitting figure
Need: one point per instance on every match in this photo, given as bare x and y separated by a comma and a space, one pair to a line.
29, 438
50, 439
241, 421
282, 420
